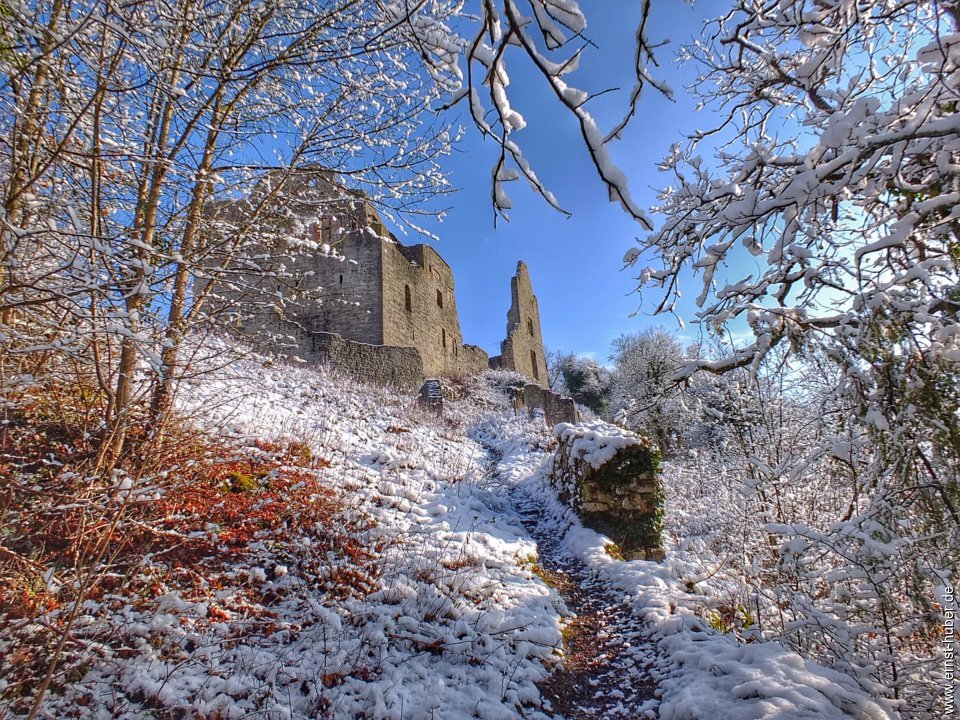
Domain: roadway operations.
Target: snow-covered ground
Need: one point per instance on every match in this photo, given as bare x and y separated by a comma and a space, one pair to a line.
449, 621
701, 673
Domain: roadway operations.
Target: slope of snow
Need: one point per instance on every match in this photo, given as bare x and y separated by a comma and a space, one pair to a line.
702, 673
451, 621
447, 619
458, 625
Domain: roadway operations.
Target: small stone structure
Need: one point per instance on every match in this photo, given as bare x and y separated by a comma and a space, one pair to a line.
609, 476
522, 351
431, 396
556, 408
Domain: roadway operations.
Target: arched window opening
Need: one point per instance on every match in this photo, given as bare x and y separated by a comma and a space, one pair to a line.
533, 363
407, 299
530, 326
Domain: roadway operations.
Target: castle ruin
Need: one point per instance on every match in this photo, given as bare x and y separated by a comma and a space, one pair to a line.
367, 304
522, 350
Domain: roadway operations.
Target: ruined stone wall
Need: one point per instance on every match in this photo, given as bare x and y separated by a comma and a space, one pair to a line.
419, 309
346, 276
399, 367
522, 351
305, 231
610, 477
473, 360
556, 408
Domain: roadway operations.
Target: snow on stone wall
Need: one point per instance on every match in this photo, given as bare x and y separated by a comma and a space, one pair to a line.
609, 476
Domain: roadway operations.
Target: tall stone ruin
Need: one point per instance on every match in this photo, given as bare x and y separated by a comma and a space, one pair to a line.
350, 295
522, 351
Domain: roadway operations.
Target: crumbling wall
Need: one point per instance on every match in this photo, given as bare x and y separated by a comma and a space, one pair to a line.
343, 275
556, 408
522, 351
473, 360
610, 477
419, 308
399, 367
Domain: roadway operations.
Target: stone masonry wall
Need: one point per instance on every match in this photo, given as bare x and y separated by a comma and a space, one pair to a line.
356, 281
610, 477
348, 302
522, 351
556, 408
419, 309
399, 367
322, 290
473, 360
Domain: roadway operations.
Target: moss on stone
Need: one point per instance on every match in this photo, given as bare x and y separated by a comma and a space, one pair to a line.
240, 482
629, 464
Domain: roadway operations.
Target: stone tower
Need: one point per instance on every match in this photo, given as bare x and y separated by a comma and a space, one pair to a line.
522, 351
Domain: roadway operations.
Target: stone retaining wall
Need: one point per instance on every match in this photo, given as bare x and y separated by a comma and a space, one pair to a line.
609, 476
399, 367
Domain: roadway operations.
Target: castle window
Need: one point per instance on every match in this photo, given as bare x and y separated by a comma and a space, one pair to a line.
530, 326
439, 298
407, 300
341, 279
533, 363
443, 337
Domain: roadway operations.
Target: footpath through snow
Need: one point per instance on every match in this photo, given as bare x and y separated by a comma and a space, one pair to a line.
480, 628
607, 656
452, 618
698, 673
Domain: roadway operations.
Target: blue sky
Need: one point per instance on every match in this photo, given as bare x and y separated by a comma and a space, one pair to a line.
575, 263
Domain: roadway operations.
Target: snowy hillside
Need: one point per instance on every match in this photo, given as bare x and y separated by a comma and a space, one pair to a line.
388, 563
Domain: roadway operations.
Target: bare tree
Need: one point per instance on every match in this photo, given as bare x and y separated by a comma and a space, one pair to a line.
129, 120
126, 124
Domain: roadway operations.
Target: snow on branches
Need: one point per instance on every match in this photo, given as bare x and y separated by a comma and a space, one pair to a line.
550, 37
822, 213
837, 170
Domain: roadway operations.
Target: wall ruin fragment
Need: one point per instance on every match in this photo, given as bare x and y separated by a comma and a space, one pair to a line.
522, 350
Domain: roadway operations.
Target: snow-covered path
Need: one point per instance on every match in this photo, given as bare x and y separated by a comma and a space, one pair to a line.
607, 656
461, 624
675, 667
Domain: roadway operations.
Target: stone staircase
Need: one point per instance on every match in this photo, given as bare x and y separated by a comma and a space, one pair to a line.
431, 396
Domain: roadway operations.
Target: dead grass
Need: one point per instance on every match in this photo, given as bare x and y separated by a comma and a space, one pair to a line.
179, 512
